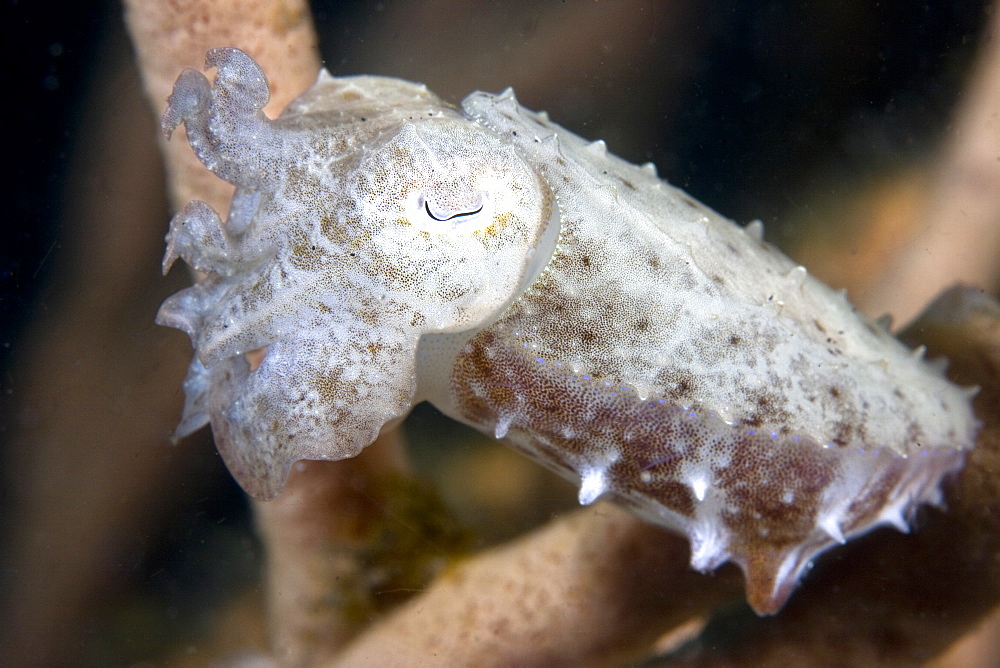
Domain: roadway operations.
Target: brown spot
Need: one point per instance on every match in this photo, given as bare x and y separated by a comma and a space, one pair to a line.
306, 256
338, 234
683, 386
374, 349
767, 411
842, 434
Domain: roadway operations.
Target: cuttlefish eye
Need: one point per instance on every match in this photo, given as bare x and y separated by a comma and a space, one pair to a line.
442, 210
444, 213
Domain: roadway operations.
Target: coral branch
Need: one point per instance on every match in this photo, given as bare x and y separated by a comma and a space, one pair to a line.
316, 585
594, 587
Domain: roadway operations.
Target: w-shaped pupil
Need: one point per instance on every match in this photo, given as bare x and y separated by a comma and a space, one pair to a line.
427, 208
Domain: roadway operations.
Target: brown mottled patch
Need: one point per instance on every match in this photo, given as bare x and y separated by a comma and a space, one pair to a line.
761, 473
306, 256
328, 385
671, 494
767, 409
338, 234
375, 349
564, 415
452, 292
301, 185
369, 316
683, 385
842, 434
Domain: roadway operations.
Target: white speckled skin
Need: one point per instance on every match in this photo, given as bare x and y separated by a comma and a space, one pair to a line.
386, 248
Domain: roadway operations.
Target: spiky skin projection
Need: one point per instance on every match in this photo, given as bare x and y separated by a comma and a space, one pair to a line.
385, 248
